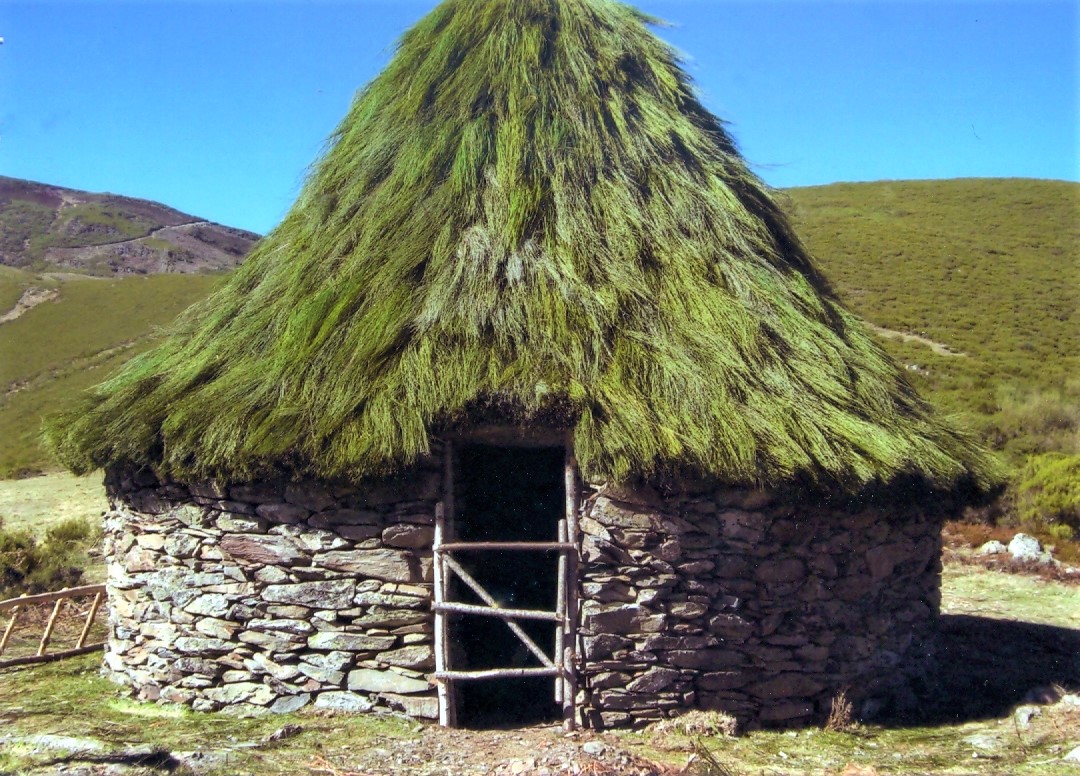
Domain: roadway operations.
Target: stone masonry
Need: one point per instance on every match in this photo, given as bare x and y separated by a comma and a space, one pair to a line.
734, 601
280, 595
275, 595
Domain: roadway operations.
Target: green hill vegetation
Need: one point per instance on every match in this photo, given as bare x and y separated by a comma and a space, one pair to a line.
990, 269
62, 346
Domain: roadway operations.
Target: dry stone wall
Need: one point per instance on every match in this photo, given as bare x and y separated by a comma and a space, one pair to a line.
730, 601
280, 595
273, 596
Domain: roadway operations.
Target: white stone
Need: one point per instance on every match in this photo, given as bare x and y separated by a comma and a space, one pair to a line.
368, 680
992, 547
1025, 548
343, 701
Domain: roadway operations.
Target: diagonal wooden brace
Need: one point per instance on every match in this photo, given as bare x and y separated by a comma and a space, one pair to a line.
487, 598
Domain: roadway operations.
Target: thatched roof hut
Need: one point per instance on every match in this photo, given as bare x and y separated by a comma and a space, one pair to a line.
526, 231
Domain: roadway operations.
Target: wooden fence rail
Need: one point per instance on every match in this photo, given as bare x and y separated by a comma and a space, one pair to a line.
21, 604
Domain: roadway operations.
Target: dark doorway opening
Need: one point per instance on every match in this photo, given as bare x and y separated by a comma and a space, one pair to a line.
514, 494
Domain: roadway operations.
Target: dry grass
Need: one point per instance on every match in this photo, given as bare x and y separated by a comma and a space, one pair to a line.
841, 714
698, 723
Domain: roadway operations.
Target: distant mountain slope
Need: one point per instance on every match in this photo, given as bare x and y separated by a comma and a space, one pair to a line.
45, 228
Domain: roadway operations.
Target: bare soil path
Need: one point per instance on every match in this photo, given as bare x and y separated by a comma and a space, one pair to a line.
30, 299
905, 336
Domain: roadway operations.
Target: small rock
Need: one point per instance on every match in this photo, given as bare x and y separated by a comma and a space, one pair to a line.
1073, 756
595, 748
515, 767
368, 680
287, 731
68, 744
1024, 714
992, 547
986, 742
202, 761
287, 704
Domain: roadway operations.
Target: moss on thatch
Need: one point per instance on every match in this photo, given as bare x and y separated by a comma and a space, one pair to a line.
527, 216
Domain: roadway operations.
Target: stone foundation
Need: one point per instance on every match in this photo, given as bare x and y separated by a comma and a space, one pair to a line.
276, 595
726, 600
280, 595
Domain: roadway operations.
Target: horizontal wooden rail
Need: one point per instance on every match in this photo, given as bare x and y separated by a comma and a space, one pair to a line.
511, 546
488, 611
46, 598
497, 673
51, 656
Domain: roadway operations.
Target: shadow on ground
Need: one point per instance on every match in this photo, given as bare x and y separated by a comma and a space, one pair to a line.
986, 667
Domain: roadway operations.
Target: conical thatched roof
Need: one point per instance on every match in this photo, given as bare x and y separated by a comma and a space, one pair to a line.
529, 217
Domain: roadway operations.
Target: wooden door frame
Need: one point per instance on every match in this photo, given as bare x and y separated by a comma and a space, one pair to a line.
561, 664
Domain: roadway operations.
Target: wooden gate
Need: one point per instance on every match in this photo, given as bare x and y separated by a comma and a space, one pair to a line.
559, 665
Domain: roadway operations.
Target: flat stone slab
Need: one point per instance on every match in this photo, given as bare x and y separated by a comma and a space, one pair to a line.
370, 680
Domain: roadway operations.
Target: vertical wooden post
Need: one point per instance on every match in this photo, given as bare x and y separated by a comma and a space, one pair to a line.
89, 621
444, 515
10, 627
560, 628
440, 616
49, 626
570, 639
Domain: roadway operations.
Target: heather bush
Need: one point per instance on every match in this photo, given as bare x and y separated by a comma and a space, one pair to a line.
30, 565
1048, 494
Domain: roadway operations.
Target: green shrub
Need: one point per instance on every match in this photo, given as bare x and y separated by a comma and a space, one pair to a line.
1030, 421
1048, 493
31, 566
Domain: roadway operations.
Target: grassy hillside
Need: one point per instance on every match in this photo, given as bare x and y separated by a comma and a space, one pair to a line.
989, 268
69, 343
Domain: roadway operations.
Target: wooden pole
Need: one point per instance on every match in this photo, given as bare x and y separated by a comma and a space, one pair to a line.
503, 614
504, 546
440, 619
560, 627
49, 627
570, 620
8, 630
447, 696
52, 656
45, 598
498, 673
477, 588
89, 621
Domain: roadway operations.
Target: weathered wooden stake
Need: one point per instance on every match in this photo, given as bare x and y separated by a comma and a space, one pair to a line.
8, 630
49, 626
499, 673
89, 620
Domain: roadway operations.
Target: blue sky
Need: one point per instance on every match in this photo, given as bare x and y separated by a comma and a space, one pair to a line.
219, 108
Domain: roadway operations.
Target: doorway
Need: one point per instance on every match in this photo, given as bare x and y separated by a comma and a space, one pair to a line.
506, 494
